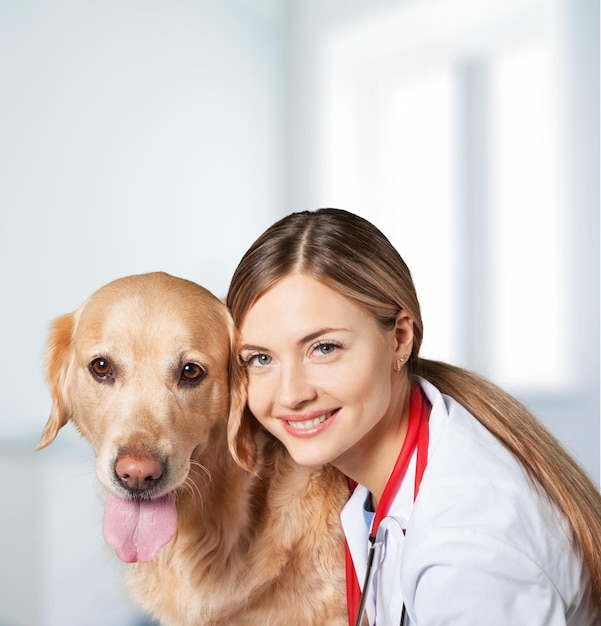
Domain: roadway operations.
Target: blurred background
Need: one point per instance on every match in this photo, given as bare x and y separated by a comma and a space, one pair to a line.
152, 135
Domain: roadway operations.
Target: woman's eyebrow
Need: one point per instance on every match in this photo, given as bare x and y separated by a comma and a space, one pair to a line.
318, 333
246, 346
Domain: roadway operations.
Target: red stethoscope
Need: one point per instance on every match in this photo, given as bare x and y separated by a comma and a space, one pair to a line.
417, 437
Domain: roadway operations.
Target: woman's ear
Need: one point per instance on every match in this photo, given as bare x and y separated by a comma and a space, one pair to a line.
403, 332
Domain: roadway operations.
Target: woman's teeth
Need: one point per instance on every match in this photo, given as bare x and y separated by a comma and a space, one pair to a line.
310, 423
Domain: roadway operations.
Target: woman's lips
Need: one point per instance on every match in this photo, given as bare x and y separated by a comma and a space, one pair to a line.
308, 424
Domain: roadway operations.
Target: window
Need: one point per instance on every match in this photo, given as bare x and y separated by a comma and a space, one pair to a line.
447, 137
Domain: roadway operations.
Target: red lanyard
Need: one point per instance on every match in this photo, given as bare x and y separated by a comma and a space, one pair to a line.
417, 437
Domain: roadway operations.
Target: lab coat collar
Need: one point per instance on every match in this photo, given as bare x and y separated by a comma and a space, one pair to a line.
357, 533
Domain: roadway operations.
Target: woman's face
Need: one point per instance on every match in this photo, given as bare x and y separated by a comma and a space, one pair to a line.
321, 372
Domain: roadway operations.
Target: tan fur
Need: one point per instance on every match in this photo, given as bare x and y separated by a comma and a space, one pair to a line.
264, 549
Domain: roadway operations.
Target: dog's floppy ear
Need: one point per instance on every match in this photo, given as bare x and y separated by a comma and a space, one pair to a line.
241, 425
57, 361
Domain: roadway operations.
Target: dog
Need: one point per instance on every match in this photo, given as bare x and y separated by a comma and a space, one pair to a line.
147, 370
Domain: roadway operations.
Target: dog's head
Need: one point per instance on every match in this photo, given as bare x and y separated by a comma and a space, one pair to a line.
147, 370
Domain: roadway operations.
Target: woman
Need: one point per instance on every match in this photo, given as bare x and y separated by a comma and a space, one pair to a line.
467, 511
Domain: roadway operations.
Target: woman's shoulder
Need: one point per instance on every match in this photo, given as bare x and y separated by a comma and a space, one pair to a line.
473, 481
462, 449
475, 491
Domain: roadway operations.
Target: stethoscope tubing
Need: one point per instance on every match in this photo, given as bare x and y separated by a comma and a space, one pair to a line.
369, 573
367, 582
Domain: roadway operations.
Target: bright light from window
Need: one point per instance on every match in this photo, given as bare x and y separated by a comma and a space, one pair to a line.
388, 148
473, 205
529, 307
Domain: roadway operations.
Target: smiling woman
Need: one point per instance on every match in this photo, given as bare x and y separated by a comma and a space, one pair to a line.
478, 495
322, 351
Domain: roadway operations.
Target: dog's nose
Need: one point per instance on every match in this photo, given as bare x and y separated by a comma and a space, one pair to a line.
138, 473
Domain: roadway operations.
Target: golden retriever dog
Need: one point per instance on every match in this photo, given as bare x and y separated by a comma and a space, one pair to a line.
147, 371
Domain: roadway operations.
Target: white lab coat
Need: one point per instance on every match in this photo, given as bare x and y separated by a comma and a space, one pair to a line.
481, 548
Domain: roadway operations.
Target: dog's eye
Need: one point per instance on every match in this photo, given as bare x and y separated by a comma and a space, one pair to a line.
192, 373
102, 369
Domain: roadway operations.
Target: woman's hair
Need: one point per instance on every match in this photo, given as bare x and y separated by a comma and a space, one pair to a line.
350, 255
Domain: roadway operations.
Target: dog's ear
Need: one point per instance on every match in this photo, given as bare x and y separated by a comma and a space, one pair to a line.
241, 425
57, 360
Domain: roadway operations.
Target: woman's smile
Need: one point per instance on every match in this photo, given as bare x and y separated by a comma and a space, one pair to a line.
308, 425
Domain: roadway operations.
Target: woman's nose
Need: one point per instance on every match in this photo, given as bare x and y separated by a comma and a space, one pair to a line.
295, 386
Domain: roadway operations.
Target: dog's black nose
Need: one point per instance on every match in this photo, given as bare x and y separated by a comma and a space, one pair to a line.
138, 473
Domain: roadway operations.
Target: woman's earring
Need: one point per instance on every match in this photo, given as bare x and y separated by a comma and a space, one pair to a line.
399, 362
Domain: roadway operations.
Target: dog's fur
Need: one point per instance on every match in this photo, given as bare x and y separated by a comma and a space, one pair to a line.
264, 549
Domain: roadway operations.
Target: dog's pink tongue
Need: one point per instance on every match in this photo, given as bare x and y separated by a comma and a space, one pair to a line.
138, 530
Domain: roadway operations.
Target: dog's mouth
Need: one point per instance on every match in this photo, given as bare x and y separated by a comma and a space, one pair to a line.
137, 528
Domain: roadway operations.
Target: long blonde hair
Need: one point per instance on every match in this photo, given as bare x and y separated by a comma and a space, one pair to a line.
349, 254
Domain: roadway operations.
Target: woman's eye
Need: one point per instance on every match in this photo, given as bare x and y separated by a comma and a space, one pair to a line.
192, 373
102, 369
326, 347
258, 359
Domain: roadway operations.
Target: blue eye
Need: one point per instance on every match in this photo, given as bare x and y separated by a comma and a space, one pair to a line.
258, 359
326, 347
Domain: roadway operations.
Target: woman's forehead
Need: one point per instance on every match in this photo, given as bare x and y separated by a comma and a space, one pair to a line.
299, 304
